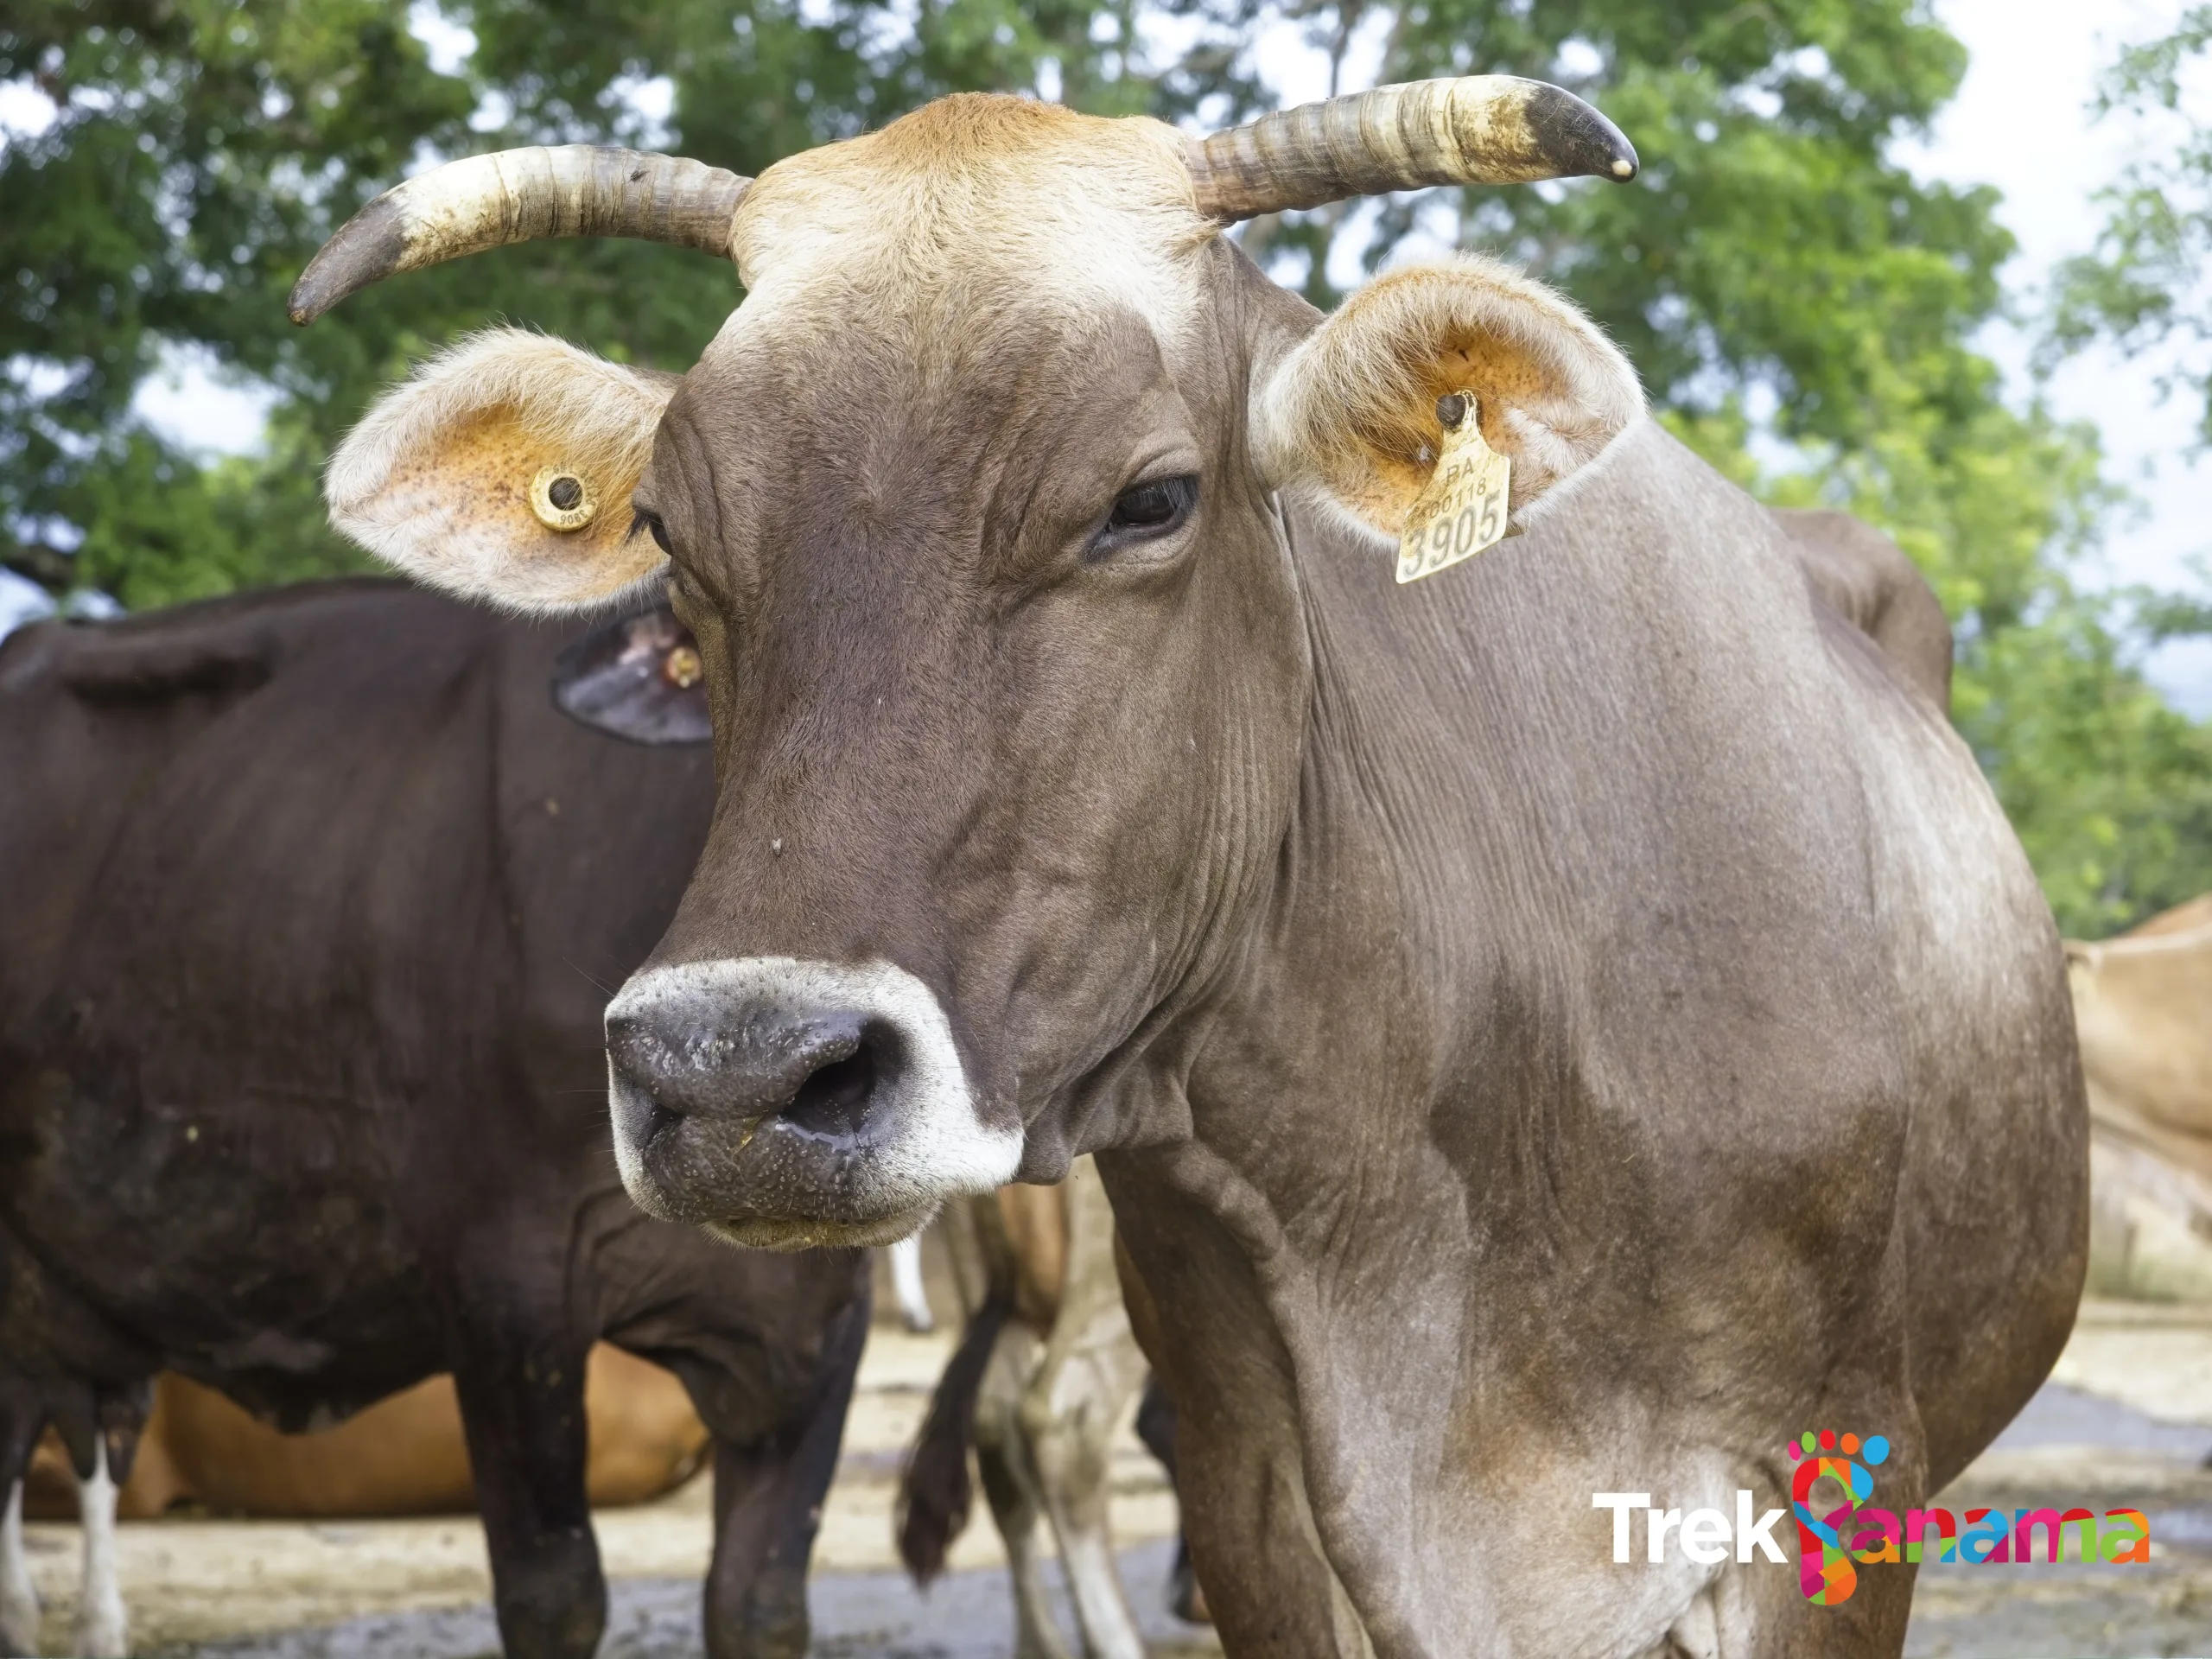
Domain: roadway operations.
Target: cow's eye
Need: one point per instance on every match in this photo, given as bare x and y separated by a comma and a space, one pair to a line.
650, 523
1144, 511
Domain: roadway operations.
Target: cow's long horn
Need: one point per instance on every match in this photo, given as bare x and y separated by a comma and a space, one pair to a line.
1475, 129
521, 196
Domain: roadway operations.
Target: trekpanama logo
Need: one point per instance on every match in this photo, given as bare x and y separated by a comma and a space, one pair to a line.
1827, 1566
1833, 1545
1825, 1572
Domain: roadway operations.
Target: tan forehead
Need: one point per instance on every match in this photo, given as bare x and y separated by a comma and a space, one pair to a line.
969, 196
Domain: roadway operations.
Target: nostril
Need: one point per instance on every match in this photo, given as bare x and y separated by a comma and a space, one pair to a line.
833, 1101
824, 1073
659, 1120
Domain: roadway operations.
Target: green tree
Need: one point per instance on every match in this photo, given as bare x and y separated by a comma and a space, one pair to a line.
1799, 305
201, 151
2146, 288
2148, 284
1773, 261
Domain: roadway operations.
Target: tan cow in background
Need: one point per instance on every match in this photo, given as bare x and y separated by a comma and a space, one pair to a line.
1047, 1370
2143, 1004
405, 1455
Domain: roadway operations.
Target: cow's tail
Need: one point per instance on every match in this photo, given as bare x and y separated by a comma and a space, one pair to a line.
934, 1492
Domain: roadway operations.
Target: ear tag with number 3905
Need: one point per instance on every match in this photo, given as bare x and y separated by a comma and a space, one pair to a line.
1463, 510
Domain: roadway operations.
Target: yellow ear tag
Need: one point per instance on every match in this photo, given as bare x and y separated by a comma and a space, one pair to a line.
562, 500
1463, 510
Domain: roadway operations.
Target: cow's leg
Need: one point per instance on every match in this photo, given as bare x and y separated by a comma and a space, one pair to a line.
1011, 1486
1239, 1474
1755, 1612
906, 1284
769, 1492
19, 1611
519, 1374
1877, 1601
20, 1419
103, 1631
1156, 1429
1089, 1372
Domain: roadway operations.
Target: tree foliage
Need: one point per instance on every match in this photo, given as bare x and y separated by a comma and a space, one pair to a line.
1800, 307
2148, 284
2142, 776
1776, 263
200, 152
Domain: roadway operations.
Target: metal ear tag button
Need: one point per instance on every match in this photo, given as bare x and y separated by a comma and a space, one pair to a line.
1463, 510
561, 499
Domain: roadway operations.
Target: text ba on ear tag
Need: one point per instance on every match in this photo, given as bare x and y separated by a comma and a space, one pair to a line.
1463, 510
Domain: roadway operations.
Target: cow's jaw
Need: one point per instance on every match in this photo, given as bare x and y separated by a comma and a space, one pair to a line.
785, 1104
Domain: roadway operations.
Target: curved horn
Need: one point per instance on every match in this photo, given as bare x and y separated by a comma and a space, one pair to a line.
1475, 129
521, 196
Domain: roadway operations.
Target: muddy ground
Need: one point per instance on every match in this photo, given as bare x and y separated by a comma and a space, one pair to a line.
2127, 1421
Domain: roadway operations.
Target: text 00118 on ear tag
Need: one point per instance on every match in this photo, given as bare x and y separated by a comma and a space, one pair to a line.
1463, 510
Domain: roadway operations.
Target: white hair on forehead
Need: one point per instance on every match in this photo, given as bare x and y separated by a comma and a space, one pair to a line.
973, 204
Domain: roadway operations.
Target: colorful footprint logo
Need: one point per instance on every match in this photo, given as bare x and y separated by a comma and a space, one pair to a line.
1825, 1570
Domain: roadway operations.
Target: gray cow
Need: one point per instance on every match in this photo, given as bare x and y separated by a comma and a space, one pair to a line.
1567, 1026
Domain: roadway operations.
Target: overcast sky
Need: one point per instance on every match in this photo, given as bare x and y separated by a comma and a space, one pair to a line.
2020, 123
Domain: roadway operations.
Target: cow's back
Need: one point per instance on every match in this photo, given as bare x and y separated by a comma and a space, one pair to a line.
88, 713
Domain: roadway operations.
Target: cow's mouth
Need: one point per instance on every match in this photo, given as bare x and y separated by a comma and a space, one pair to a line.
759, 1233
784, 1103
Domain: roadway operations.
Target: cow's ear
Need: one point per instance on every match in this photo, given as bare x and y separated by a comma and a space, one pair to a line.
1351, 409
637, 677
503, 471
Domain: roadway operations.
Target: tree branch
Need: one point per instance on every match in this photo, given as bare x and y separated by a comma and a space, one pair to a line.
49, 566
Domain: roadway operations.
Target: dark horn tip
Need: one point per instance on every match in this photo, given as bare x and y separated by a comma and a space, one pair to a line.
366, 248
316, 291
1577, 139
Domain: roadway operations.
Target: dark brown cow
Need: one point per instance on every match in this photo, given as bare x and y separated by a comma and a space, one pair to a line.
1565, 1027
310, 898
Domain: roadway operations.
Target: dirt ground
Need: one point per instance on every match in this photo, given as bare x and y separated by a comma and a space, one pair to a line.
191, 1582
2127, 1419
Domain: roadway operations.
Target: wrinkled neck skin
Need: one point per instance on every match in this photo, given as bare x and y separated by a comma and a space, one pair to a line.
1275, 1164
1517, 1116
1267, 1106
1279, 1175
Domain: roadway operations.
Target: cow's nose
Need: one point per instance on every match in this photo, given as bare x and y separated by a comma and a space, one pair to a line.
790, 1103
814, 1071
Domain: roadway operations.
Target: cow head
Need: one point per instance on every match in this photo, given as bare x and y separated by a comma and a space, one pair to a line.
975, 507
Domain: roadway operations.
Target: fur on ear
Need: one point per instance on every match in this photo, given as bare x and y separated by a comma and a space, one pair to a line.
1352, 407
438, 477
